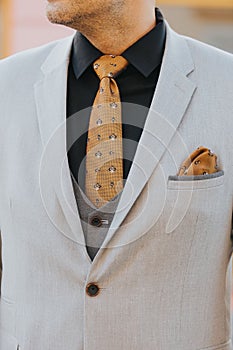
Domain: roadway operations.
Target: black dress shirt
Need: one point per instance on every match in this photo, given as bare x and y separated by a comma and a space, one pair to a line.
136, 84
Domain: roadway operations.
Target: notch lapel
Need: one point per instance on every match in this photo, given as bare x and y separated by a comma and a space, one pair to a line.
55, 181
170, 101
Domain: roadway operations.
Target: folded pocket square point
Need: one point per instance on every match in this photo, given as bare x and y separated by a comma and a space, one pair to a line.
201, 161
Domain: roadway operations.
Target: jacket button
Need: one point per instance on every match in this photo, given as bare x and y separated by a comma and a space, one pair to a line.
96, 221
92, 289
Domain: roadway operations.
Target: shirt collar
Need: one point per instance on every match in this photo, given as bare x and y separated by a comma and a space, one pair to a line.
140, 54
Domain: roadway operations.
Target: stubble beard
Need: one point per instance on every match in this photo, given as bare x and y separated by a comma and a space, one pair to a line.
79, 17
68, 16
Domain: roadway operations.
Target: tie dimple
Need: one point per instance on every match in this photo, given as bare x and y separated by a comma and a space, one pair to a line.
104, 152
109, 66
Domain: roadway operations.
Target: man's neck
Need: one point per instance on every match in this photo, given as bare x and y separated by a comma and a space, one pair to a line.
115, 41
115, 36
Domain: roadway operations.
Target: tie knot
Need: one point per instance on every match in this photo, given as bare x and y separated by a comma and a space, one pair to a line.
109, 66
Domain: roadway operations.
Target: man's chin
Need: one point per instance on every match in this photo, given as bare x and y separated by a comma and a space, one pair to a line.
56, 14
59, 12
54, 19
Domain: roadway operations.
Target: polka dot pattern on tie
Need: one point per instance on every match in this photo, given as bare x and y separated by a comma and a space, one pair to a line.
104, 151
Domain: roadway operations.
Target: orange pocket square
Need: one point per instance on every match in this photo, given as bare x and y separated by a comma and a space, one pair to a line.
200, 162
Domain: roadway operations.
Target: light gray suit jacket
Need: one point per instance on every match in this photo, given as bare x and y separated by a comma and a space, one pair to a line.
164, 269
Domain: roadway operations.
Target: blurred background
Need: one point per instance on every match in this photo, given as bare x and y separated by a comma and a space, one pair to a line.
23, 23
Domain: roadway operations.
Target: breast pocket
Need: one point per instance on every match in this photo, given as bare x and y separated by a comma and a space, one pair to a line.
195, 182
192, 197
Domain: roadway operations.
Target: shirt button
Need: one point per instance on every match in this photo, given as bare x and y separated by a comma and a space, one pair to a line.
92, 289
96, 221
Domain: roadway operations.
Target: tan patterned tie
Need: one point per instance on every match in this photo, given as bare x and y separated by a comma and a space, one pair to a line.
104, 151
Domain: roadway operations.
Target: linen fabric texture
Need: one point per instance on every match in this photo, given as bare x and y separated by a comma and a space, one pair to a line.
164, 267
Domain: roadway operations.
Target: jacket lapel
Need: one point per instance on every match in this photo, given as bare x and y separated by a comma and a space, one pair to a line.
170, 101
55, 181
172, 96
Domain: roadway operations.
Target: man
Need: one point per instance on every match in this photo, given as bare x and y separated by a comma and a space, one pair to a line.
90, 262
